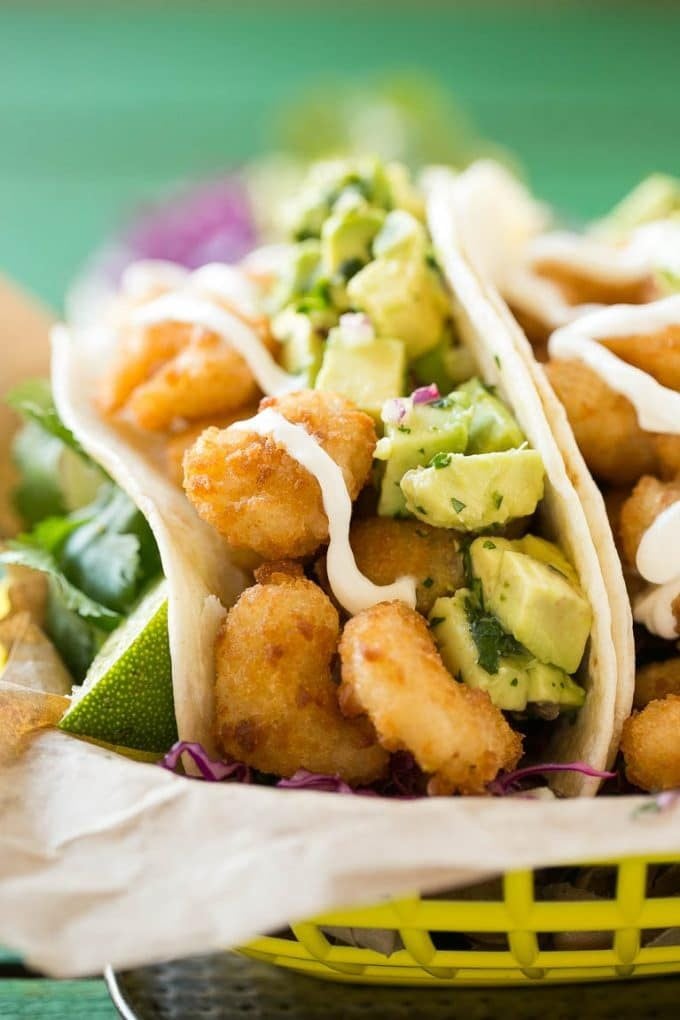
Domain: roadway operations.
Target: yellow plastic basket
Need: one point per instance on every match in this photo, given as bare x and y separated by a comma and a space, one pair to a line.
523, 949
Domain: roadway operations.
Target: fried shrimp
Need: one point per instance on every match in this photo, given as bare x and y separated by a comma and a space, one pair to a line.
657, 680
650, 745
178, 444
649, 498
386, 548
392, 672
277, 702
580, 288
667, 449
172, 371
605, 424
257, 496
655, 353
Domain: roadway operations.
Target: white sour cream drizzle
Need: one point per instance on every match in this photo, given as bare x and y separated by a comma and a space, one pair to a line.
658, 561
146, 277
352, 589
199, 311
657, 407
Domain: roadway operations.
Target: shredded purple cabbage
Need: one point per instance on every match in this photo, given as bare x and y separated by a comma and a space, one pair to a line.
211, 770
304, 780
426, 394
210, 222
505, 784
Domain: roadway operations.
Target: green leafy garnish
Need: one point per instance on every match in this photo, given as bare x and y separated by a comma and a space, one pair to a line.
33, 400
489, 544
497, 498
457, 504
491, 640
440, 460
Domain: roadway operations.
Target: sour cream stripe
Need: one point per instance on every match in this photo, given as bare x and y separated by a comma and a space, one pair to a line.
657, 407
352, 589
196, 311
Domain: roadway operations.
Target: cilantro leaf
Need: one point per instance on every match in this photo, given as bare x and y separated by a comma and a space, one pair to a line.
491, 640
33, 400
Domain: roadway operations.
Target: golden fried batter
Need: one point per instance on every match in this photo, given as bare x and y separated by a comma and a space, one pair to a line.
667, 448
657, 680
655, 353
651, 747
208, 377
173, 371
257, 496
605, 424
276, 701
580, 288
392, 672
386, 548
180, 442
649, 498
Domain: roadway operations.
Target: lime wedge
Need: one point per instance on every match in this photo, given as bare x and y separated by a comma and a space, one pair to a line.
126, 697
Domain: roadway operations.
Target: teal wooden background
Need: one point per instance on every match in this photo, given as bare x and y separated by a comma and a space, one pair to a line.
101, 104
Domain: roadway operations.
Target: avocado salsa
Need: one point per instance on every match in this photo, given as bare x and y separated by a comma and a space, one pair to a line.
362, 309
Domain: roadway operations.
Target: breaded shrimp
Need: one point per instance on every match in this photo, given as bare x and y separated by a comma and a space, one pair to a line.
650, 745
392, 672
649, 498
208, 377
667, 448
257, 496
655, 353
141, 353
581, 288
605, 424
180, 442
386, 548
657, 680
276, 701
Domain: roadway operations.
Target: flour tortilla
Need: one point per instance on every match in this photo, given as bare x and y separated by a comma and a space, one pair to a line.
573, 512
587, 512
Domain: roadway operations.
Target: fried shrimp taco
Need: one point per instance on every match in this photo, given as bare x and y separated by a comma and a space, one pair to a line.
601, 309
373, 558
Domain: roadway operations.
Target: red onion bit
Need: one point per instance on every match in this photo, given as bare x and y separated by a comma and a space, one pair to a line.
426, 394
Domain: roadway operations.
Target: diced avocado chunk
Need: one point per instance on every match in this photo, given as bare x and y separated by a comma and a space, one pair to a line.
367, 371
551, 685
534, 602
447, 364
299, 274
346, 239
404, 298
425, 431
471, 493
302, 339
403, 193
330, 183
493, 427
539, 549
518, 678
401, 236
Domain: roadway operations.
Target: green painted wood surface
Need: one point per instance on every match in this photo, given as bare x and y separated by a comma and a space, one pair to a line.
55, 1000
103, 104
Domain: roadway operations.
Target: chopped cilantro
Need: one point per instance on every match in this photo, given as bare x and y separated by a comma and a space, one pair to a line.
440, 460
404, 428
444, 403
497, 360
422, 510
497, 498
489, 545
514, 681
457, 504
491, 640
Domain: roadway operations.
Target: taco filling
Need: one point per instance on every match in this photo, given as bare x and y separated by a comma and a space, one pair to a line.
408, 587
602, 311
